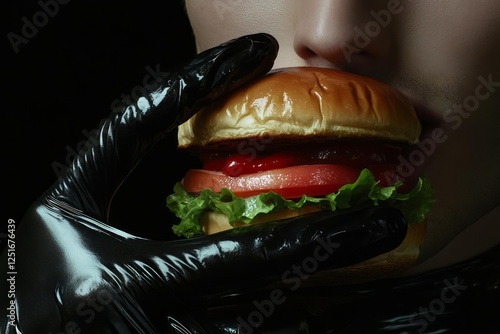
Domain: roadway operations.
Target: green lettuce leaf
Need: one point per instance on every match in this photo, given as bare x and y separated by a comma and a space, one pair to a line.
364, 192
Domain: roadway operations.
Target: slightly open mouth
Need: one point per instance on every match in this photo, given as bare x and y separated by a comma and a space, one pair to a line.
414, 158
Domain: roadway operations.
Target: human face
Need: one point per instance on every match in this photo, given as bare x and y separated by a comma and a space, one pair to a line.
443, 54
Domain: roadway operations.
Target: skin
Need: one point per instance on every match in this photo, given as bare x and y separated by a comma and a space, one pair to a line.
437, 53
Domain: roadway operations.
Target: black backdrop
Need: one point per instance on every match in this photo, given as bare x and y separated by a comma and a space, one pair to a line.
64, 64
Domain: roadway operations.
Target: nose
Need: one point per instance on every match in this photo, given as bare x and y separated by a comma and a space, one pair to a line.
349, 35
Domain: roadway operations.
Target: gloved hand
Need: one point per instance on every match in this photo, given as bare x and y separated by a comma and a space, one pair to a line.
77, 274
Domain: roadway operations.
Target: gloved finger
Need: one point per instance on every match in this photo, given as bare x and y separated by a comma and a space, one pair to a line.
94, 176
137, 281
261, 254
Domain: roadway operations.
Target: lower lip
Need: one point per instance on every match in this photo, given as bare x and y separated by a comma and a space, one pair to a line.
415, 158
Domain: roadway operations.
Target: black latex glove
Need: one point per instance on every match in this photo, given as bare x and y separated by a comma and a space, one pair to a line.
77, 274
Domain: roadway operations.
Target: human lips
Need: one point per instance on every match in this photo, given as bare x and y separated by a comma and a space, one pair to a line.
415, 158
427, 116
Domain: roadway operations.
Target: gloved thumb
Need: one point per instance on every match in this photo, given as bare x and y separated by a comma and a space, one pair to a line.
123, 140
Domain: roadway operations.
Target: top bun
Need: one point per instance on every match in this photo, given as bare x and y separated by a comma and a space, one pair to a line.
295, 102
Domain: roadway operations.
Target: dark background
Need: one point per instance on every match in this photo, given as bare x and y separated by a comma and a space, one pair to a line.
61, 84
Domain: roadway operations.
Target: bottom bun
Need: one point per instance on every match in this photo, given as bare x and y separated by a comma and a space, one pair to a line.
394, 262
213, 222
398, 260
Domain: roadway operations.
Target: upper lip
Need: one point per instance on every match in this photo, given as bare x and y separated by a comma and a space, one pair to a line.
427, 117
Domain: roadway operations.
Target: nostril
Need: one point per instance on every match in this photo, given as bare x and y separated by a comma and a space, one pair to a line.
342, 34
336, 57
303, 51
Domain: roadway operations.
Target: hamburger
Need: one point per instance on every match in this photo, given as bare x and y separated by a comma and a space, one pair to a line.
296, 141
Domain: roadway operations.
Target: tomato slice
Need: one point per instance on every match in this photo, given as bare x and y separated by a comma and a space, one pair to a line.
313, 170
290, 182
